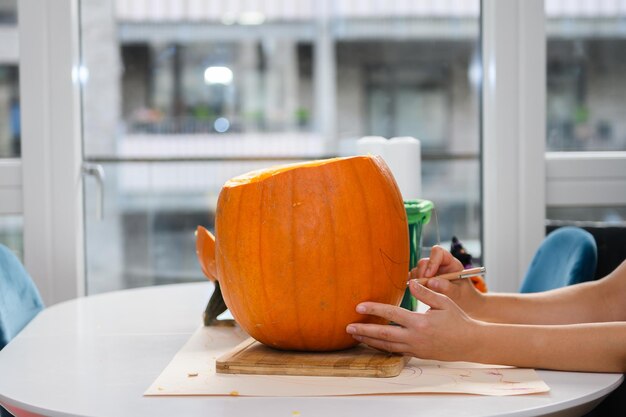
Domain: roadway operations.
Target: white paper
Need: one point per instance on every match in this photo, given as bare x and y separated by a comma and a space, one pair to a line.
192, 372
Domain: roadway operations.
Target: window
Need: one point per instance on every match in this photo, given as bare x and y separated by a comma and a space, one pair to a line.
9, 111
586, 128
10, 132
178, 99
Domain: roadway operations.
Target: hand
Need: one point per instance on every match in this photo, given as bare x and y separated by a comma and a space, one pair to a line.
444, 332
461, 291
440, 262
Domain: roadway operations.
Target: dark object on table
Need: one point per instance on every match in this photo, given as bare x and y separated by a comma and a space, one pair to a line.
215, 307
458, 251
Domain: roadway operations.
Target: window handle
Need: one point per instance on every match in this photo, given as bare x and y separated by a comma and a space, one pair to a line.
96, 171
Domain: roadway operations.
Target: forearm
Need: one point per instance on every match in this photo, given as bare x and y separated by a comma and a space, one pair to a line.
583, 303
589, 302
595, 347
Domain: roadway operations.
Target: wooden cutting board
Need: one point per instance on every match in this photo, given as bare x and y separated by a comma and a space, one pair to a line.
252, 357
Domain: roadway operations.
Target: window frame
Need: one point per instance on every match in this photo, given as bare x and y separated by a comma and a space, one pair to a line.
10, 186
51, 148
586, 178
513, 138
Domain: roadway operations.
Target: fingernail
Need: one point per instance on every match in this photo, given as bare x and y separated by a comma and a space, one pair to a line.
360, 308
351, 329
359, 338
429, 270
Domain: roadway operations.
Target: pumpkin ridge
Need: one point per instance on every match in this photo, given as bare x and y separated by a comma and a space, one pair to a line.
249, 311
372, 244
260, 245
394, 195
397, 194
292, 249
224, 263
333, 229
238, 286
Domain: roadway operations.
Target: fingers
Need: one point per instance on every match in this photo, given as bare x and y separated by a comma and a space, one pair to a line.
384, 345
440, 261
437, 257
389, 312
429, 297
439, 285
383, 337
378, 331
420, 268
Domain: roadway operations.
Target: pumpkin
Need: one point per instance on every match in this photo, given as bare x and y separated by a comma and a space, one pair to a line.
299, 246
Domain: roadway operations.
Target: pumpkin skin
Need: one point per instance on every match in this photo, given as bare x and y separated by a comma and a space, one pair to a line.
299, 246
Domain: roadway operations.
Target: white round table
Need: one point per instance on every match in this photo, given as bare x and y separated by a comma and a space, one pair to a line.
96, 356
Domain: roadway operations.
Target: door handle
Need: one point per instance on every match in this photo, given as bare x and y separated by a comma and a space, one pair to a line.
97, 172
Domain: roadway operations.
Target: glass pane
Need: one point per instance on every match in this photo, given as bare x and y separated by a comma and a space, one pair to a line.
8, 12
9, 111
11, 234
586, 78
150, 213
458, 206
9, 81
180, 96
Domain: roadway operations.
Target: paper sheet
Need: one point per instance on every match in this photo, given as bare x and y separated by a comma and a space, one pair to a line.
192, 372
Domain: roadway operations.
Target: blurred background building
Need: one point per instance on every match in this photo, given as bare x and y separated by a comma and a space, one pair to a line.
179, 96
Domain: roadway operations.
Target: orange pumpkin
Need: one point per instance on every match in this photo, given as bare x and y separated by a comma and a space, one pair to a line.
299, 246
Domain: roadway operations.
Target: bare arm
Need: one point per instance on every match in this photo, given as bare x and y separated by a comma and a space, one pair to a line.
445, 332
593, 347
590, 302
582, 303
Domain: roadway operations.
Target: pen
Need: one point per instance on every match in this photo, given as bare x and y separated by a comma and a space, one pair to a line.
466, 273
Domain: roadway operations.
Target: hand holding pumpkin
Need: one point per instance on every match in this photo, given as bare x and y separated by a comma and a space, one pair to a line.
444, 332
462, 291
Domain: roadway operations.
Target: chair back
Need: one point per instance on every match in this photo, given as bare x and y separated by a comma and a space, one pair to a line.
19, 298
567, 256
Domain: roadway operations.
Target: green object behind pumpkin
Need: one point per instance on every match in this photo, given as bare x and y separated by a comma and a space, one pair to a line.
418, 214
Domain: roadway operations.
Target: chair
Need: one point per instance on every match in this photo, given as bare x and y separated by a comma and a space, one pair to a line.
19, 298
567, 256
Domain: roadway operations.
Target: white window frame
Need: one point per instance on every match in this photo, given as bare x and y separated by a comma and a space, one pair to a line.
10, 186
586, 179
52, 202
513, 139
